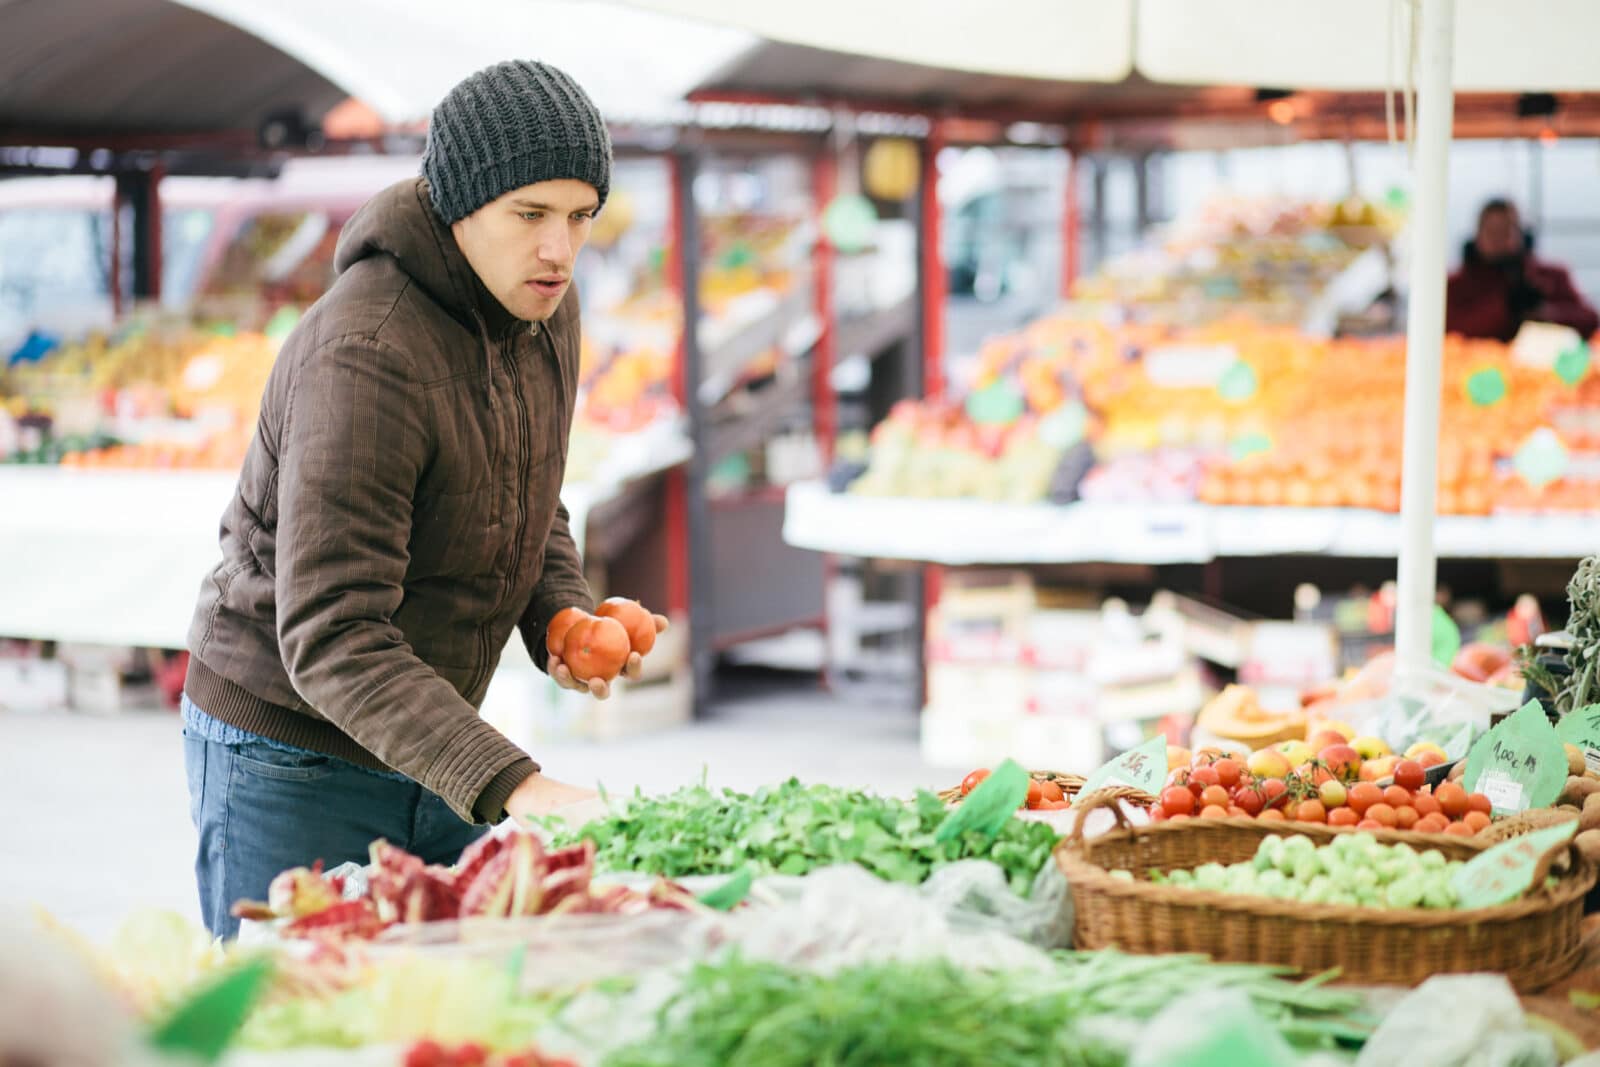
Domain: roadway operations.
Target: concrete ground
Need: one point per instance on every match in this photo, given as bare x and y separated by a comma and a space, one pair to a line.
94, 818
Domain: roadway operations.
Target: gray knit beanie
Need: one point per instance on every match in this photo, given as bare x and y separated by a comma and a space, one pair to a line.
510, 125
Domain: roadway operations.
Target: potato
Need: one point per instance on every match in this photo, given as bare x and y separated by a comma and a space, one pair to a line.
1590, 819
1589, 844
1578, 790
1575, 762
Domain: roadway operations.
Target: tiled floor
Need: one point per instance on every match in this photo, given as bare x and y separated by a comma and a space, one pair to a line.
94, 813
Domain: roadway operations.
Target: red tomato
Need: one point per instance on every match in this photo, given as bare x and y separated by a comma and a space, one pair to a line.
1035, 794
1177, 800
1480, 803
1369, 824
1228, 771
1427, 804
1343, 817
1406, 818
1384, 815
1452, 800
1215, 796
1409, 774
1397, 796
1202, 778
1276, 789
1272, 815
1363, 795
1250, 800
1433, 823
1212, 811
1051, 791
1310, 811
970, 782
1459, 829
1475, 819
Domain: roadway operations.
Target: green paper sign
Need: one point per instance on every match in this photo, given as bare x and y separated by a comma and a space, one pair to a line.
849, 222
1519, 764
1506, 871
1573, 364
1238, 382
1065, 426
1486, 387
729, 894
988, 807
1541, 459
1247, 445
1581, 727
1000, 404
203, 1026
1446, 637
1143, 768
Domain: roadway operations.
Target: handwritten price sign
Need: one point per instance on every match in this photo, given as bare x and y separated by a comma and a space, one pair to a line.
1506, 871
1143, 768
1519, 764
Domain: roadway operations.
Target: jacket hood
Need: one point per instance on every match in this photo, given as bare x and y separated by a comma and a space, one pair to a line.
400, 223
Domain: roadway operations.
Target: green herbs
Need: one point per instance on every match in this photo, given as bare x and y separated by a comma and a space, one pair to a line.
1582, 687
754, 1014
793, 828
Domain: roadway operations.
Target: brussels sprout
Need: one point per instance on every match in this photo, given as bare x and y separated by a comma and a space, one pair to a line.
1434, 861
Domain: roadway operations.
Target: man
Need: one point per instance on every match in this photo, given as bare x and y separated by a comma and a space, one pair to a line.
1501, 285
397, 514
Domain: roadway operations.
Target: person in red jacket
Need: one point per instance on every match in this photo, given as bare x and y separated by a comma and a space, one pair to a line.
1501, 284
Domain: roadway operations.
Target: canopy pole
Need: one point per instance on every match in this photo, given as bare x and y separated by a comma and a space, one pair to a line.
1425, 334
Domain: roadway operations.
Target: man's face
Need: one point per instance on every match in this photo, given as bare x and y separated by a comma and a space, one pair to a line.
523, 245
1500, 235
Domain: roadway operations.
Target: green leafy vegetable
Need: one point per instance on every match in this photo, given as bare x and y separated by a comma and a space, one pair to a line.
794, 829
205, 1025
932, 1012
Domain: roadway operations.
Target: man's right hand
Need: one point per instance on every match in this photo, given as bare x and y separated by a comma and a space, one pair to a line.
539, 796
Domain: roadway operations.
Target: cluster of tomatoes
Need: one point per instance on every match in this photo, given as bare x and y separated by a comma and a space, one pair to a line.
1322, 790
598, 645
1044, 794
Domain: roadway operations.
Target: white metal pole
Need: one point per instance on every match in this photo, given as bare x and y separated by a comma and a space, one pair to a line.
1425, 332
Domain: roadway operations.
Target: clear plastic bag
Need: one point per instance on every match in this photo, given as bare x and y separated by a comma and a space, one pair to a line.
1458, 1020
1404, 705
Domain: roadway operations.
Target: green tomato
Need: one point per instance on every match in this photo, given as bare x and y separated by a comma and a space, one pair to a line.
1211, 876
1366, 878
1406, 893
1269, 879
1434, 861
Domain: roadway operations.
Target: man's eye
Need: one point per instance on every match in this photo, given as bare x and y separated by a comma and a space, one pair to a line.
583, 216
531, 216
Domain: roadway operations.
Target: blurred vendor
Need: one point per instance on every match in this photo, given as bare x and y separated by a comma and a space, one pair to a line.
1501, 284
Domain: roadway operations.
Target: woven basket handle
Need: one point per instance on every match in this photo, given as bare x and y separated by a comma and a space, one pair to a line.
1109, 797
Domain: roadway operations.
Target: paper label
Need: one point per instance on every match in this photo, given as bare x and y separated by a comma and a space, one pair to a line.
1523, 750
1581, 727
1505, 795
1506, 871
1143, 768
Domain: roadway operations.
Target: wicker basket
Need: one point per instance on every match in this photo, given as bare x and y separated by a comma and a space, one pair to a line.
1070, 785
1534, 940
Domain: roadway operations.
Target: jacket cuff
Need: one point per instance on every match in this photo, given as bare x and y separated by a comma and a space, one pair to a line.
491, 803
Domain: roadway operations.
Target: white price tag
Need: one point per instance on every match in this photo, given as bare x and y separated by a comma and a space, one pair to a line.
1592, 759
1504, 793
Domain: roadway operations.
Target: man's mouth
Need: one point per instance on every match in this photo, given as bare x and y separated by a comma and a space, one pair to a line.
548, 286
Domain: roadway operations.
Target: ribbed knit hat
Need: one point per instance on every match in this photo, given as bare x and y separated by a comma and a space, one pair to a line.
510, 125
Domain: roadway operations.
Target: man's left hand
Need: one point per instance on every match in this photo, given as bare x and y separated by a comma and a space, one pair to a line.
599, 688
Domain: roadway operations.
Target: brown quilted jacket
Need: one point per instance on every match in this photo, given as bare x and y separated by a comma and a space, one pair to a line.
397, 515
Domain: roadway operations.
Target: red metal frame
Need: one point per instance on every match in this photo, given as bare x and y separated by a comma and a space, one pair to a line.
824, 409
677, 502
1071, 227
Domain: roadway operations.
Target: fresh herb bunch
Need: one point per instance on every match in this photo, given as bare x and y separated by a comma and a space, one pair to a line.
757, 1014
1582, 687
794, 828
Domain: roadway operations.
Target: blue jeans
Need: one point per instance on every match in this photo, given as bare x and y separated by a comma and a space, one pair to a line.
261, 808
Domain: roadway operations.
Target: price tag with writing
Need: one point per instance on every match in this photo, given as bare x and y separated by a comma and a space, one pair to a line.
1144, 768
1581, 727
1522, 752
1506, 871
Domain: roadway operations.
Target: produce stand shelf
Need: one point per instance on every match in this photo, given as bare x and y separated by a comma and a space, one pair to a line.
117, 557
971, 532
